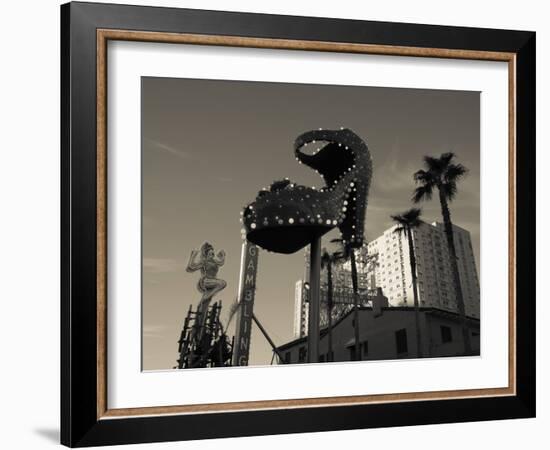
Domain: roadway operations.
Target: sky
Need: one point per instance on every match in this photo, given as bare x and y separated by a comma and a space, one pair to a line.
208, 146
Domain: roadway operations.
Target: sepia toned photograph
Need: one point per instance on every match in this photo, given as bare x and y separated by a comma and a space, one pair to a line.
294, 223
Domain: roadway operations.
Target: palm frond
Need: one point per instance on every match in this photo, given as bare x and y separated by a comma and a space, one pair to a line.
449, 190
407, 220
422, 177
445, 160
373, 260
454, 172
412, 216
398, 218
400, 230
432, 163
423, 192
436, 167
344, 249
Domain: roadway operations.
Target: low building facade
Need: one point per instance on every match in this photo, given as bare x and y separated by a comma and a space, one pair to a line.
390, 333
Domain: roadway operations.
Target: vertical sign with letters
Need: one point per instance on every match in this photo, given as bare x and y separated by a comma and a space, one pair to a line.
247, 290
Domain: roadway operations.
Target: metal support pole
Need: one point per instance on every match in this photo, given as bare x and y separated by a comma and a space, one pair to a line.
264, 332
313, 335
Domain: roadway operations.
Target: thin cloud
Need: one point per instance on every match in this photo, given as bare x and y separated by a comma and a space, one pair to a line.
154, 331
179, 153
160, 265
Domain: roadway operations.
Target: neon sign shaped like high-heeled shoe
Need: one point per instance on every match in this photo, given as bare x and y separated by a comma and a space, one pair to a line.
287, 217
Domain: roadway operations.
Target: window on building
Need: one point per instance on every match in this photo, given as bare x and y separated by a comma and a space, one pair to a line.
401, 341
446, 334
322, 358
351, 350
302, 353
287, 358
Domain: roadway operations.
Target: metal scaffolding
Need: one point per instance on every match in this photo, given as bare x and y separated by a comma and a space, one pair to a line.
204, 343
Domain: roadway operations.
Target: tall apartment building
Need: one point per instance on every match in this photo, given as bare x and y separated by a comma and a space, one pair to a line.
435, 278
393, 274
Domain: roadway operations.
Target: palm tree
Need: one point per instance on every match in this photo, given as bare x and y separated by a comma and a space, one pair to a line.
327, 260
407, 222
348, 253
370, 262
443, 174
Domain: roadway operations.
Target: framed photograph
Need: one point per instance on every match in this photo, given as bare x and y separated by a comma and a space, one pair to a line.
276, 224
